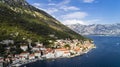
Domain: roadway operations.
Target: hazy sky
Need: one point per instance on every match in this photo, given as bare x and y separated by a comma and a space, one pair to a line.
81, 11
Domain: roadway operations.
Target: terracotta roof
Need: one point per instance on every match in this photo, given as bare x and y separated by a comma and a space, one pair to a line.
61, 49
31, 55
48, 49
66, 52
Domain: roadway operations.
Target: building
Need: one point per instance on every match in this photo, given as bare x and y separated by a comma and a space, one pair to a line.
22, 58
49, 55
1, 59
24, 47
17, 55
24, 54
36, 48
39, 44
37, 54
61, 52
66, 54
31, 56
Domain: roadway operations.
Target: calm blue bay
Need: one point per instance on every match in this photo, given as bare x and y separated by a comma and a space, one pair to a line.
107, 54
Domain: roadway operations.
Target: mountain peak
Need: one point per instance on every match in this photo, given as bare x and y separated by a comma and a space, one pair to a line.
97, 29
16, 3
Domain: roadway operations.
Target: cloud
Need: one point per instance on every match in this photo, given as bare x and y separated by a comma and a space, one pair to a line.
74, 21
88, 1
51, 10
66, 13
36, 4
94, 20
64, 2
52, 4
67, 8
75, 15
83, 22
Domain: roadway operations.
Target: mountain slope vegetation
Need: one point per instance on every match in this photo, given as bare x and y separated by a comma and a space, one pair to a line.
20, 21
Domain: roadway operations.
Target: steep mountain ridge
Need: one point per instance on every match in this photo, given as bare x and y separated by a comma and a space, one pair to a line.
96, 29
15, 3
20, 21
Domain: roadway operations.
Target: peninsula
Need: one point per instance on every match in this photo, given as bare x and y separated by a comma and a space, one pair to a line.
28, 34
59, 49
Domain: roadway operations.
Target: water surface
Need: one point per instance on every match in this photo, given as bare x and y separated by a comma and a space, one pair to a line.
107, 54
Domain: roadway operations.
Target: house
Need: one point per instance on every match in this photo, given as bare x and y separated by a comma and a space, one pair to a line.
58, 53
7, 59
66, 54
24, 54
22, 58
39, 44
10, 55
24, 47
36, 48
42, 48
60, 40
48, 53
87, 42
31, 56
37, 54
78, 51
61, 52
17, 55
1, 59
48, 50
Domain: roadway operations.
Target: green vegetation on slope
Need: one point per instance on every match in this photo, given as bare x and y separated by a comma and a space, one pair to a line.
19, 23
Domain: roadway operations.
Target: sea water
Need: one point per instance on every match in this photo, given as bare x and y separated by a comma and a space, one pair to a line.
106, 54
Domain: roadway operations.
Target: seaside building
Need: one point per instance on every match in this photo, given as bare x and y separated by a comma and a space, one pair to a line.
36, 48
31, 56
61, 52
24, 54
37, 54
24, 47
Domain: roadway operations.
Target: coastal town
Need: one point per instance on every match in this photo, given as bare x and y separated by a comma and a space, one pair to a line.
60, 49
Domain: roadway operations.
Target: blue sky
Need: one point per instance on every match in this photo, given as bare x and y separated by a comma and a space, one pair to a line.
81, 11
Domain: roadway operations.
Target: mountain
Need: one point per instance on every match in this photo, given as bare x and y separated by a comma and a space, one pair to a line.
20, 21
96, 29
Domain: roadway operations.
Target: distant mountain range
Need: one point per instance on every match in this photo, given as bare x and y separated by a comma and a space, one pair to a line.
96, 29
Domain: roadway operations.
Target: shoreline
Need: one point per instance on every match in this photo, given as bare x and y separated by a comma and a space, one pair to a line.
72, 56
